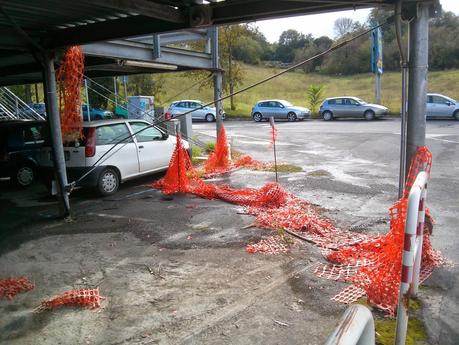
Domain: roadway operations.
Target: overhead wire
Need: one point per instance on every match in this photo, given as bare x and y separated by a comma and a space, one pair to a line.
251, 86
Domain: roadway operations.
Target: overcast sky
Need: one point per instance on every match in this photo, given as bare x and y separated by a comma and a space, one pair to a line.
322, 24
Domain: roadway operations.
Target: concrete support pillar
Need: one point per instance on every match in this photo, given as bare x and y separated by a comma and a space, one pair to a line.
417, 82
218, 78
52, 110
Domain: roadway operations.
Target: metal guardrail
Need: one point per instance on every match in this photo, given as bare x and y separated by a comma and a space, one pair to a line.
357, 327
412, 253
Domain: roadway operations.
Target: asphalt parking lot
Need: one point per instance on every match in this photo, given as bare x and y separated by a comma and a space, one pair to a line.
205, 289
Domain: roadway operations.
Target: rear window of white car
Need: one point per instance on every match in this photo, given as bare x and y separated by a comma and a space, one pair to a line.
111, 134
148, 134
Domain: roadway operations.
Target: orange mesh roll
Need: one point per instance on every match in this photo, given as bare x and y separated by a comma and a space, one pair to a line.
69, 78
86, 298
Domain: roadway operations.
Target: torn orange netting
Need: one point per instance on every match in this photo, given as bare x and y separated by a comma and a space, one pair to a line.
86, 298
10, 287
69, 78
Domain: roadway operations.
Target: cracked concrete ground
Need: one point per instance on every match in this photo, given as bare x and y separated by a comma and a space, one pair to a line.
175, 271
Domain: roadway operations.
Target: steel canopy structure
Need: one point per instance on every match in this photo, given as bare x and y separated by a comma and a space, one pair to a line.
33, 34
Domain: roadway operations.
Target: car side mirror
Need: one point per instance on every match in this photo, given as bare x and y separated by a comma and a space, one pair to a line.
165, 136
448, 103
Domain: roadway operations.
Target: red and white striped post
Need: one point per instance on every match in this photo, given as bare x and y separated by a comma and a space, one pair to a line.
412, 253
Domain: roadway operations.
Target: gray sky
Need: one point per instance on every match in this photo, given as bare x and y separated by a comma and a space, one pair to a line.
322, 24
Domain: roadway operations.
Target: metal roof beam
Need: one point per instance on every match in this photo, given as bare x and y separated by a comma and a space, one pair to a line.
144, 8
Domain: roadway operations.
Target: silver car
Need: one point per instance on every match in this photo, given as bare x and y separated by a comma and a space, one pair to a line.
278, 109
350, 107
179, 107
442, 106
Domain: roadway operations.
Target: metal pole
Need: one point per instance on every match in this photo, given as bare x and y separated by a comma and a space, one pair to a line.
377, 88
271, 121
404, 65
116, 94
36, 94
125, 87
217, 79
417, 84
87, 99
56, 136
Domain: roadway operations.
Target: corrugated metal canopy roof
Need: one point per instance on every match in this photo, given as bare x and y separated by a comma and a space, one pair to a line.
27, 25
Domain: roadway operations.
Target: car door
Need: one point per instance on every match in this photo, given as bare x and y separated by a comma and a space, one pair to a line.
123, 156
178, 108
153, 148
354, 108
442, 107
279, 110
265, 109
197, 114
429, 106
339, 109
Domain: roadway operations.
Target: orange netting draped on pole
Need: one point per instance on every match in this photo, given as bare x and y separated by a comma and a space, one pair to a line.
10, 287
219, 160
86, 298
69, 78
374, 266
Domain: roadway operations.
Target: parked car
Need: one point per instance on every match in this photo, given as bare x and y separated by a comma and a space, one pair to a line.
20, 141
208, 114
350, 107
39, 108
136, 154
95, 114
279, 109
442, 106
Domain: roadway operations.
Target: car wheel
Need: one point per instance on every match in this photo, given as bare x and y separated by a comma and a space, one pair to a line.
291, 117
108, 182
210, 118
257, 117
24, 175
327, 116
456, 115
369, 115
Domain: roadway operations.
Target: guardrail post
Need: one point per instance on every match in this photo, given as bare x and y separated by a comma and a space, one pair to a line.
412, 253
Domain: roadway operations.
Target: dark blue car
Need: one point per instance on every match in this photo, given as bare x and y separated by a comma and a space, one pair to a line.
20, 142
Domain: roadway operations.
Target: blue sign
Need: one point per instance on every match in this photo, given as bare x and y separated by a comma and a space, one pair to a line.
376, 51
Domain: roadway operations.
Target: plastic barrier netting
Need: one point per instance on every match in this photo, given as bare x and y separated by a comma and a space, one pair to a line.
10, 287
270, 245
374, 266
86, 298
219, 160
69, 78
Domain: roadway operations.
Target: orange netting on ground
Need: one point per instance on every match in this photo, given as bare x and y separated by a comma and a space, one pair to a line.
372, 263
10, 287
374, 266
86, 298
69, 78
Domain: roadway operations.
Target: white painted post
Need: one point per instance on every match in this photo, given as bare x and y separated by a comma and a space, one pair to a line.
412, 253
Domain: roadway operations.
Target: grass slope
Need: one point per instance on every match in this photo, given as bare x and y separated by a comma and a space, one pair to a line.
291, 86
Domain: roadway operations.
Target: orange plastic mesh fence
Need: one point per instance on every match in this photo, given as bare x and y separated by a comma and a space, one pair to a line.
10, 287
86, 298
374, 265
69, 78
219, 160
269, 245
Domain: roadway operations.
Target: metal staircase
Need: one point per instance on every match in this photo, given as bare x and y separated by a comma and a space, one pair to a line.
14, 108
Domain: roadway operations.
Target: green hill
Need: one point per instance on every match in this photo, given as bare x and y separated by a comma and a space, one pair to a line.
292, 87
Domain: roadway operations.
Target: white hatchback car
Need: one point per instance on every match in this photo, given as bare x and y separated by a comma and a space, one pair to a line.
135, 154
180, 107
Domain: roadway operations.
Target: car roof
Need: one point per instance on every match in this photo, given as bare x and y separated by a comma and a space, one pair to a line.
188, 100
353, 97
272, 100
21, 123
110, 122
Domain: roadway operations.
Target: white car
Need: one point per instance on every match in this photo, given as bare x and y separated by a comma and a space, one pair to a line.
180, 107
135, 154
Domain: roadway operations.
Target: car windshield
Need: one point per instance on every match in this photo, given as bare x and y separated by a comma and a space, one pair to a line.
361, 101
286, 104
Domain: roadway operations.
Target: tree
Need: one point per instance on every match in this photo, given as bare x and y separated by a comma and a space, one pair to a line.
289, 42
147, 85
314, 95
343, 26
